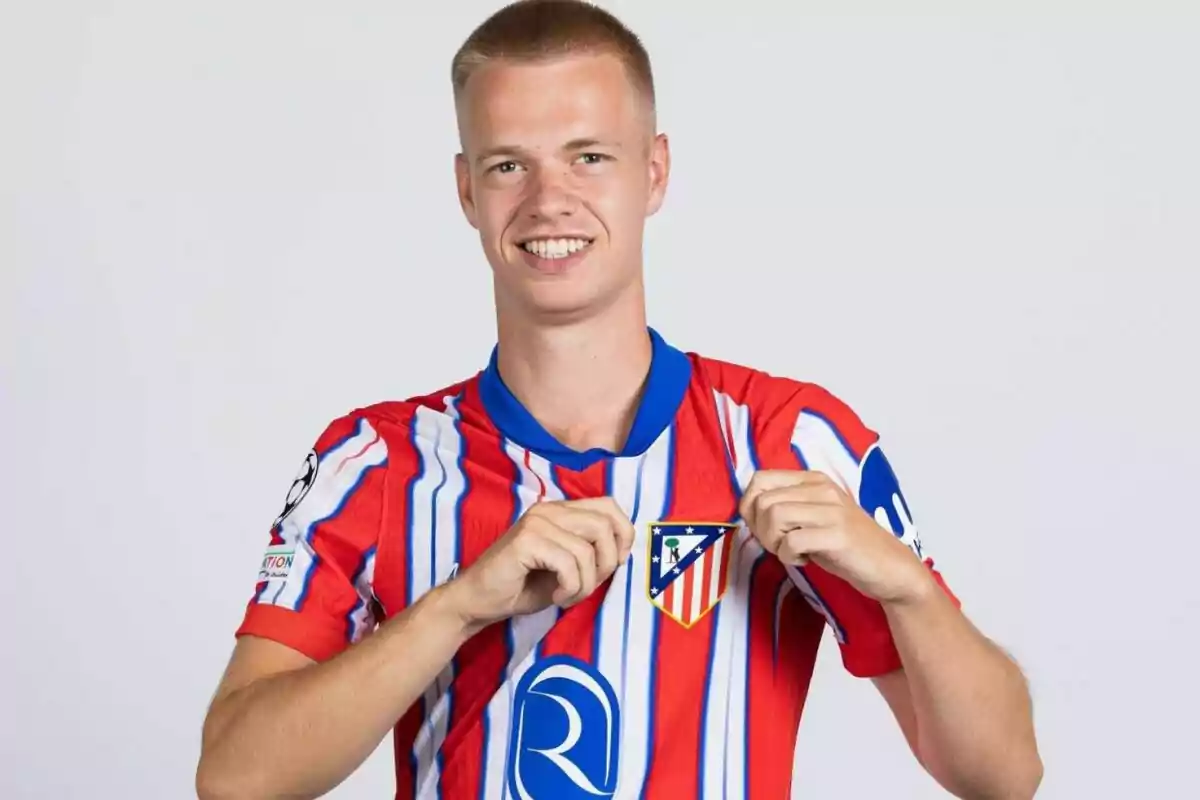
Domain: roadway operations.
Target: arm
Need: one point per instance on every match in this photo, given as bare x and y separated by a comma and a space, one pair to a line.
282, 725
308, 694
314, 683
843, 527
962, 703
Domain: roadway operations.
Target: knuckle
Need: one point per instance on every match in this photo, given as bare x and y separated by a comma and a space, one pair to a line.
538, 511
773, 515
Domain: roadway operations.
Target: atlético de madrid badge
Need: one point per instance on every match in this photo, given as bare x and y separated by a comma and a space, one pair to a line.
688, 567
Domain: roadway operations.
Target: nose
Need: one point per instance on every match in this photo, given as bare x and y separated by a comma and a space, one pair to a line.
552, 195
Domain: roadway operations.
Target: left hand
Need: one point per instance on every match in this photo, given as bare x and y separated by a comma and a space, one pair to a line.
804, 515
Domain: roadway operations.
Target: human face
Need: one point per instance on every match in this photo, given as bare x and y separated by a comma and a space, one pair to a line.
559, 170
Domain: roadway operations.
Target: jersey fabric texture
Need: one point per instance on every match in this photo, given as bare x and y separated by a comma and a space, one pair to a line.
683, 676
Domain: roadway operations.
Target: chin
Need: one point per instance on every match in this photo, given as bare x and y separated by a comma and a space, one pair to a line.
557, 301
563, 303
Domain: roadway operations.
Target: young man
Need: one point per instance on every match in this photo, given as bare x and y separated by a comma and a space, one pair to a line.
601, 567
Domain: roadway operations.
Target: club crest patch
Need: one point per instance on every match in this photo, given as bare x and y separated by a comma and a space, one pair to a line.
688, 567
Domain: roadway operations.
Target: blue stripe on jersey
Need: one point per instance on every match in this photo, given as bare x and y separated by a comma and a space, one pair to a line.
637, 502
799, 457
598, 623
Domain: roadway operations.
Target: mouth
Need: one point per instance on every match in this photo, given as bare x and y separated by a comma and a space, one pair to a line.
556, 249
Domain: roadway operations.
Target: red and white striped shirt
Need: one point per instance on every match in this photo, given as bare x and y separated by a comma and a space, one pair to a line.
683, 676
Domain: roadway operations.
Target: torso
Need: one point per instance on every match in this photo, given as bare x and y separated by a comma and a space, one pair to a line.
683, 676
707, 679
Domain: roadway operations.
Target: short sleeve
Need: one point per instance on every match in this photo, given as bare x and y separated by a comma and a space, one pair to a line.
314, 591
829, 437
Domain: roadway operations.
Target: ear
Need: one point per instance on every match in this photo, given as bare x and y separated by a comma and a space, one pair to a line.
462, 176
659, 165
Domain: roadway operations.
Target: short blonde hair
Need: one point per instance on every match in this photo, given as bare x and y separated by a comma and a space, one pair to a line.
530, 30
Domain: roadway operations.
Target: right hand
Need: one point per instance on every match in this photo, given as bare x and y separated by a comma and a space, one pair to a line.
557, 553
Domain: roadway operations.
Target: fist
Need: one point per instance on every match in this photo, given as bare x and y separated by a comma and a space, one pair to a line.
557, 553
803, 516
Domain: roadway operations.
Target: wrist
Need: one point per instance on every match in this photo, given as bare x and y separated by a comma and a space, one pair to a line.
917, 590
447, 601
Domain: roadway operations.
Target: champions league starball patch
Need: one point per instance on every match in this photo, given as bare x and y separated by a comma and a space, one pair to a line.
300, 486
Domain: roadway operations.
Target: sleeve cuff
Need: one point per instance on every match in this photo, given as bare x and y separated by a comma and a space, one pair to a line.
877, 655
318, 642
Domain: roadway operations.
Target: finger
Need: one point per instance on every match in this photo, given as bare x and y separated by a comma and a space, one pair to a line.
821, 493
767, 480
778, 513
597, 529
593, 527
621, 527
799, 545
584, 555
545, 553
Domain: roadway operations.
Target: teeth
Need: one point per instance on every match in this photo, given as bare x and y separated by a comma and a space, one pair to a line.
555, 248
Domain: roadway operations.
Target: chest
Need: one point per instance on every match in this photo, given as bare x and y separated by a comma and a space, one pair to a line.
463, 490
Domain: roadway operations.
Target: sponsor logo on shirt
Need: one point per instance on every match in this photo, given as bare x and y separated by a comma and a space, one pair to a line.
565, 742
277, 562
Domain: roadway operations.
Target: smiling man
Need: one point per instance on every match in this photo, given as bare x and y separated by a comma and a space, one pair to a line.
602, 566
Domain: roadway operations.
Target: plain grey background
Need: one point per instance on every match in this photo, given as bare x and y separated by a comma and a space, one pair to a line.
222, 224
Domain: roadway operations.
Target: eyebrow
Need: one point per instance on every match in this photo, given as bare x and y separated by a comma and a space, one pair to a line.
574, 145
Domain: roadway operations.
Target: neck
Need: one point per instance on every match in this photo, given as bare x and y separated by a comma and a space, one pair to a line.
581, 381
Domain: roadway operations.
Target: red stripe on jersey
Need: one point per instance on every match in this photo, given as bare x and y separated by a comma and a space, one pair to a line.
800, 632
701, 491
479, 664
783, 648
391, 558
574, 633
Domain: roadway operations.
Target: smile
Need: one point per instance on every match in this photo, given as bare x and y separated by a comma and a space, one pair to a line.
552, 249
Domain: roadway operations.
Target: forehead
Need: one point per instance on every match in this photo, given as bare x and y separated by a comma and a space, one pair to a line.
543, 102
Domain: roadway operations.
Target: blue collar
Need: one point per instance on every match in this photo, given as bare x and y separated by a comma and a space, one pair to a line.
666, 385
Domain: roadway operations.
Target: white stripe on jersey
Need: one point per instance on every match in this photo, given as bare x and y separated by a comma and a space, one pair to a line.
339, 473
640, 486
523, 633
433, 551
738, 617
724, 738
610, 640
822, 450
735, 426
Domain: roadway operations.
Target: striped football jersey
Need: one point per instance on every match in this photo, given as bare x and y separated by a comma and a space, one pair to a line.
682, 676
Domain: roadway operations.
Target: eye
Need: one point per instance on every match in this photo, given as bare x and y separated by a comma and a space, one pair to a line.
594, 158
504, 167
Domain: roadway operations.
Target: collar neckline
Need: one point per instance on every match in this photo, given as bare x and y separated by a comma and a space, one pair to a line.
666, 384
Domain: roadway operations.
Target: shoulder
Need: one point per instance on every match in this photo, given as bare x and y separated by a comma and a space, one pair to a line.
388, 425
782, 406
